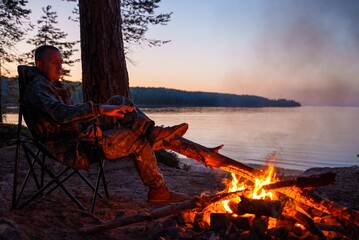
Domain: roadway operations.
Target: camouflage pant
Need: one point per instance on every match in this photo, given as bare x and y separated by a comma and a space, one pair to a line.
127, 136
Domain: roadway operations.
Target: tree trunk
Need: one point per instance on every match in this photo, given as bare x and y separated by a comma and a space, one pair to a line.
104, 70
0, 95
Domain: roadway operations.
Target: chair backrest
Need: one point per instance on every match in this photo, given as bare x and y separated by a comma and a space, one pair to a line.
21, 69
23, 80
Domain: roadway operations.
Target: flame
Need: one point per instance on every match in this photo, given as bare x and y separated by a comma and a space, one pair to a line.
233, 187
256, 193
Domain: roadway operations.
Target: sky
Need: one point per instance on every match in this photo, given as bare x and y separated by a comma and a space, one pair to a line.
304, 50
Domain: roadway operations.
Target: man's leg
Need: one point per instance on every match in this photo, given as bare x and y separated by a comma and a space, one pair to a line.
138, 122
122, 142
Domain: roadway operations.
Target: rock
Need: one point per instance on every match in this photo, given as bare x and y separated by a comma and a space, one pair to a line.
9, 230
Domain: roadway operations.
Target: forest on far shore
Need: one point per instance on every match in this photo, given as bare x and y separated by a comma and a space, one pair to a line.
164, 97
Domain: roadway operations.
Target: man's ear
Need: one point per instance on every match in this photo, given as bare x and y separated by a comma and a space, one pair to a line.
38, 63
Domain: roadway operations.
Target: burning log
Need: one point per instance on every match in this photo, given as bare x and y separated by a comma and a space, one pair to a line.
219, 221
260, 207
200, 202
342, 213
209, 157
303, 182
308, 223
298, 196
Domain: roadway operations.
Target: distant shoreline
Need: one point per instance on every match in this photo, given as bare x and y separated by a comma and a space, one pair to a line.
165, 97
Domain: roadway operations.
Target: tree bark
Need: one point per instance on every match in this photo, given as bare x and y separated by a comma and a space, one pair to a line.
0, 97
104, 70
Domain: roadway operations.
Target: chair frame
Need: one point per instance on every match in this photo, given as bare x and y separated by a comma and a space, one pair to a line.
37, 158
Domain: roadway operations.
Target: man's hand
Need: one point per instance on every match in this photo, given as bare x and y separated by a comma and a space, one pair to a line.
90, 131
115, 110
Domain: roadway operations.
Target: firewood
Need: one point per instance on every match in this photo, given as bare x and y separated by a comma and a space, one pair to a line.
199, 202
303, 182
220, 221
209, 157
260, 207
297, 195
308, 223
342, 213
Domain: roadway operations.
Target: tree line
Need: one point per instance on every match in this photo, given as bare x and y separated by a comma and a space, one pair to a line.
164, 97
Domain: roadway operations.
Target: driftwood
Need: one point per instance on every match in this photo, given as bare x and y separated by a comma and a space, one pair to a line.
210, 157
259, 207
199, 202
303, 182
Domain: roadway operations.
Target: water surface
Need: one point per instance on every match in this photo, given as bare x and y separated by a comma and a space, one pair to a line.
298, 138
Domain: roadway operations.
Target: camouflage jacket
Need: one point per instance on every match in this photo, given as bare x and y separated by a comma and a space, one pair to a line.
54, 120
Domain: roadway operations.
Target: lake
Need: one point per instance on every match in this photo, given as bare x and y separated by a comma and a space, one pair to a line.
298, 138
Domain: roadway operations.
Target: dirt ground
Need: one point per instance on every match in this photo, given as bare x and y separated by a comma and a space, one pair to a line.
56, 217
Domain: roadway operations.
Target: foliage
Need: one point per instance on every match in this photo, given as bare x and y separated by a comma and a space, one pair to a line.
171, 159
12, 16
162, 97
48, 33
137, 16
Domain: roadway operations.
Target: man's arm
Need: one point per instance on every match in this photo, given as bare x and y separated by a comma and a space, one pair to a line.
40, 97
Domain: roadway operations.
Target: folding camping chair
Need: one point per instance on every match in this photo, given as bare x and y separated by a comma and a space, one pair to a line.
35, 155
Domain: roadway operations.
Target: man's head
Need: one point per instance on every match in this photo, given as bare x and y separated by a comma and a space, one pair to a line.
49, 60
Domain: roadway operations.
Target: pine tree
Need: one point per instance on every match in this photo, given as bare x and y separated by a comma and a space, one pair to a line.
13, 15
104, 70
48, 33
137, 16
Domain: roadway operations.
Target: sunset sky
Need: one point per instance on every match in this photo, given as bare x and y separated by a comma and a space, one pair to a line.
304, 50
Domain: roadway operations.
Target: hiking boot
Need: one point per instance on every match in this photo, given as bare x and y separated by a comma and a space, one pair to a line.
158, 134
163, 195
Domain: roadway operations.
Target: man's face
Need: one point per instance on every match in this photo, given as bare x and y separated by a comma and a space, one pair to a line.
51, 64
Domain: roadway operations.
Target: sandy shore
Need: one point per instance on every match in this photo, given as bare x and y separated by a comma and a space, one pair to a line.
56, 217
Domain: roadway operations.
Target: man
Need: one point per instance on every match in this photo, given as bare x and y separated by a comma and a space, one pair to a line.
67, 131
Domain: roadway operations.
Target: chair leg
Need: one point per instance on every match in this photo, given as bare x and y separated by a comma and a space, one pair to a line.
31, 171
16, 175
100, 177
58, 182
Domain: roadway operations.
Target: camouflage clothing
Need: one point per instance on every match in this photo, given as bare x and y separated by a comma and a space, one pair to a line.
60, 126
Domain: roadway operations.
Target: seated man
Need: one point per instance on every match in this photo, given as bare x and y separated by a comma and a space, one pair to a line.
67, 130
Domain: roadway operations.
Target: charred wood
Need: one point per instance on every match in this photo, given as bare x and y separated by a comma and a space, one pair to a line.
308, 223
221, 221
304, 182
260, 207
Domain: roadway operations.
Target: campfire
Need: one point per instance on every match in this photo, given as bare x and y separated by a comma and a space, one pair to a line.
256, 204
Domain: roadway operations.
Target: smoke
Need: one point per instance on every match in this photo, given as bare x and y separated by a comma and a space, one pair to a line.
306, 50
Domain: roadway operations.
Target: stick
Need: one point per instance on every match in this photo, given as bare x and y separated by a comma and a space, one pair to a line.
172, 209
303, 182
